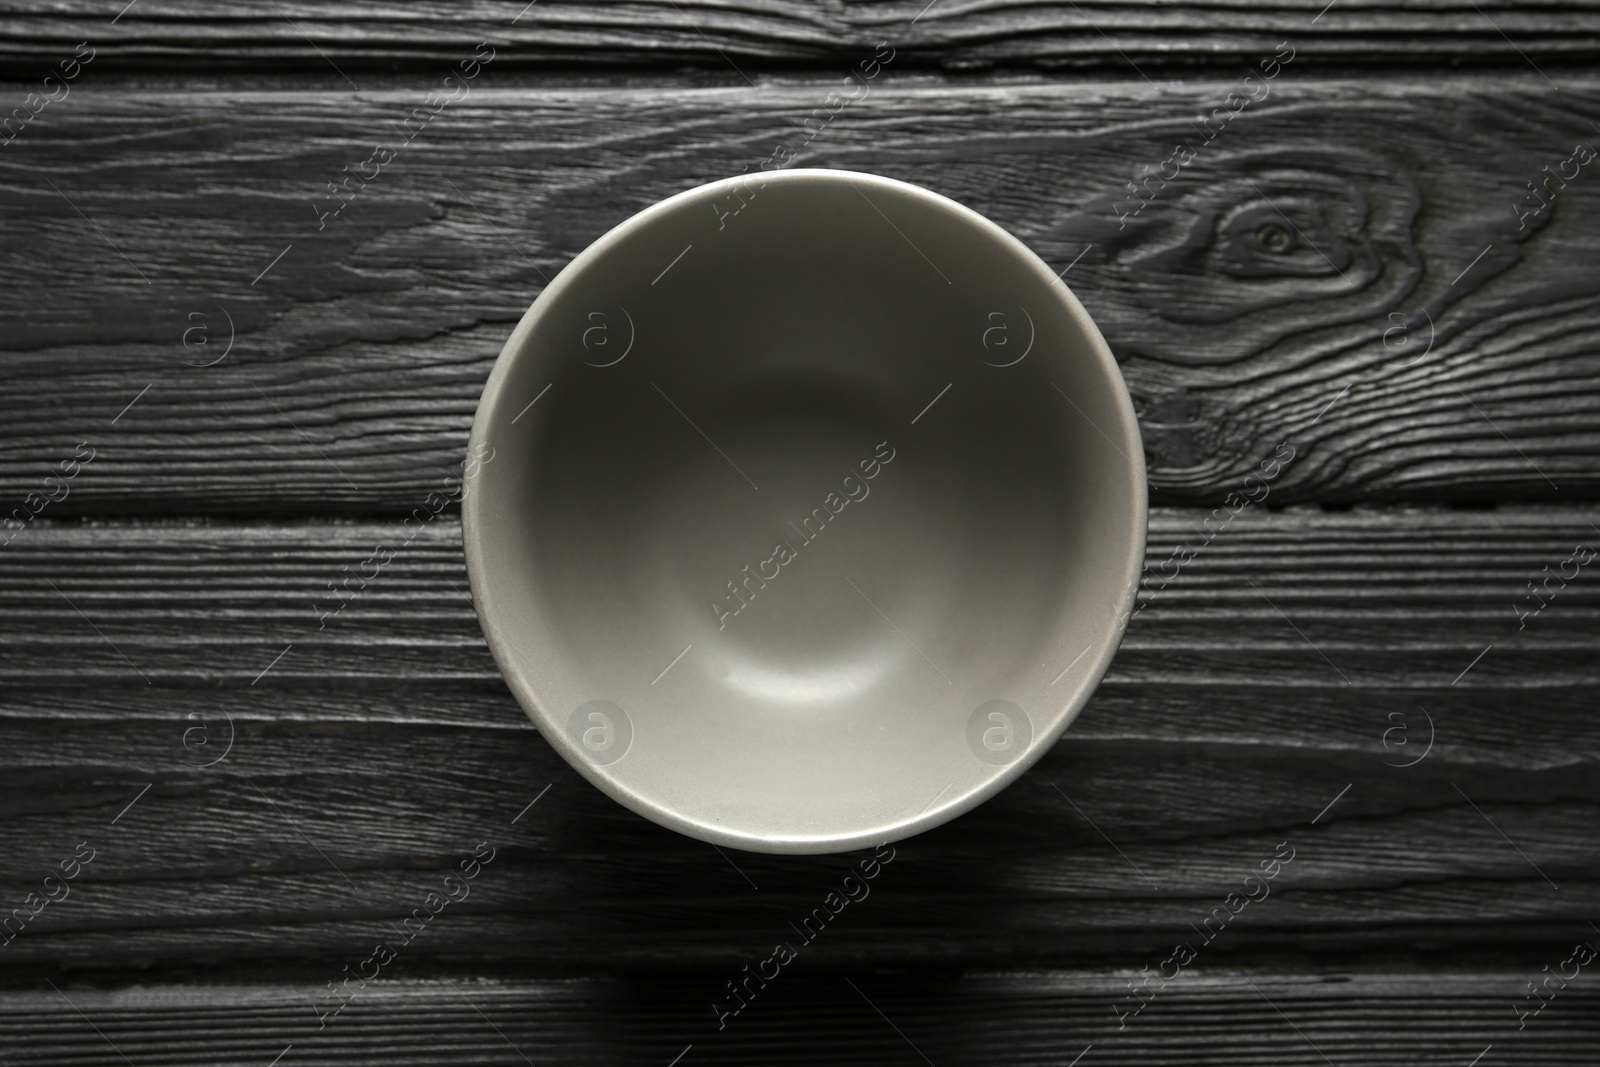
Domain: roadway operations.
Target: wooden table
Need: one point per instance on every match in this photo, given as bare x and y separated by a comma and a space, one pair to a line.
216, 399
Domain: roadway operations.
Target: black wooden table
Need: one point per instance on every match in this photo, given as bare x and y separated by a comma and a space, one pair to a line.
1363, 236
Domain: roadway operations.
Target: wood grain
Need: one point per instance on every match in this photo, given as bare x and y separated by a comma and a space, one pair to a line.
326, 36
1415, 1016
358, 352
1341, 267
1252, 694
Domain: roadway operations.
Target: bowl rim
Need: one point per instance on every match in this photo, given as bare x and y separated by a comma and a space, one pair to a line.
943, 808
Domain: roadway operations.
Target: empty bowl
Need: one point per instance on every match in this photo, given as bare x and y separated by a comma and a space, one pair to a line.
808, 510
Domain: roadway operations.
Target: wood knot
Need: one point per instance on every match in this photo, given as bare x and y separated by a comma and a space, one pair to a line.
1228, 255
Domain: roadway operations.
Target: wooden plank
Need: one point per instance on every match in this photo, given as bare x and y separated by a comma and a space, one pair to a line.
380, 750
358, 351
745, 38
1401, 598
1427, 1017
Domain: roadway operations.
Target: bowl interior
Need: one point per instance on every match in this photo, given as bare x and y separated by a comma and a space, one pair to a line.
812, 509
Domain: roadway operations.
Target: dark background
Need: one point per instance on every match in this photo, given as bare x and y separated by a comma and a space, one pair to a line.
1341, 268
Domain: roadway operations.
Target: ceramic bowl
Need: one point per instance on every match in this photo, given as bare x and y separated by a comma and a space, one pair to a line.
808, 509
